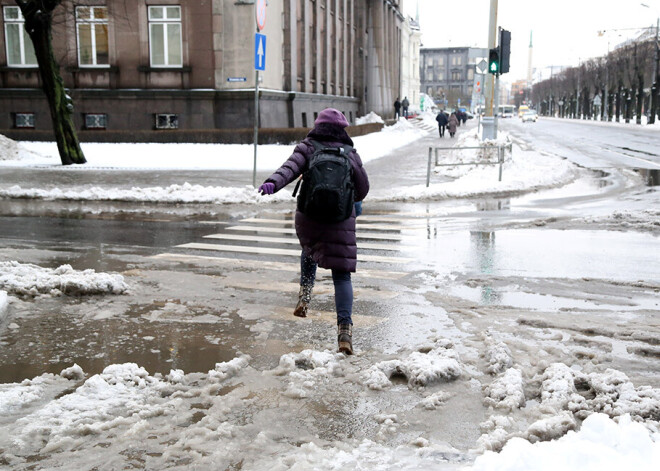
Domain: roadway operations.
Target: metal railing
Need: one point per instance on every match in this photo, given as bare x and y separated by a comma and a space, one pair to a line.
500, 158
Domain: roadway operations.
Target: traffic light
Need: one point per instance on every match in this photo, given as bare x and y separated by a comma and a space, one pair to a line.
505, 50
494, 61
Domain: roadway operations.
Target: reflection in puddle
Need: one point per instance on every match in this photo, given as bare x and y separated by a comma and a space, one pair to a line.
493, 205
483, 244
651, 176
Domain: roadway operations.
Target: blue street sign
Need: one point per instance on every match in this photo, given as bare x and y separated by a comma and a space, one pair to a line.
259, 51
236, 79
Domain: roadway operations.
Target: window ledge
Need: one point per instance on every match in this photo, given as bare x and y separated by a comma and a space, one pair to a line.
147, 69
19, 68
75, 68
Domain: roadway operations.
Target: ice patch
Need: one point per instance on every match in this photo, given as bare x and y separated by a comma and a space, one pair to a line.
497, 355
32, 280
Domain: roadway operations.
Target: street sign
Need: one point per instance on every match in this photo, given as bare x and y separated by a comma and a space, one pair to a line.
597, 101
236, 79
260, 12
482, 66
259, 51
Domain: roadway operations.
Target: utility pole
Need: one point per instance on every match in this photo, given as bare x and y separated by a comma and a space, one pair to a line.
656, 77
489, 131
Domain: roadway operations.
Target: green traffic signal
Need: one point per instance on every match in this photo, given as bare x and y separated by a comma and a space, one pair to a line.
493, 61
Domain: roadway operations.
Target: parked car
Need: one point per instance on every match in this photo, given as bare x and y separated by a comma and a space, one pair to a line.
529, 116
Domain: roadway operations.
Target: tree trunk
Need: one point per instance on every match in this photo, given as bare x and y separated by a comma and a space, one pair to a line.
629, 107
654, 100
38, 24
640, 97
618, 103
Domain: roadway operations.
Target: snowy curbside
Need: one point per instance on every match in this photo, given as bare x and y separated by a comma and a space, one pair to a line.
32, 280
601, 444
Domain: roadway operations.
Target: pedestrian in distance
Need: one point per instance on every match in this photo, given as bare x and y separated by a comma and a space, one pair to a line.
405, 104
442, 120
333, 186
452, 124
397, 109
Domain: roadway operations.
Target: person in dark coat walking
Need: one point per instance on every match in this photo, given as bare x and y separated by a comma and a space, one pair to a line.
329, 245
397, 109
442, 120
452, 124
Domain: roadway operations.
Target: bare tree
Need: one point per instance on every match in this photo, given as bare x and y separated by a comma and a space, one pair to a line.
38, 16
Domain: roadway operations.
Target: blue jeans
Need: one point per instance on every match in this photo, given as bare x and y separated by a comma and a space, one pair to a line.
343, 287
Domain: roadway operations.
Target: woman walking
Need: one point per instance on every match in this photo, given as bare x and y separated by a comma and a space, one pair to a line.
330, 245
452, 124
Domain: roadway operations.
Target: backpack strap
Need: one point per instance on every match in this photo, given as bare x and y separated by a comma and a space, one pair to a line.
342, 150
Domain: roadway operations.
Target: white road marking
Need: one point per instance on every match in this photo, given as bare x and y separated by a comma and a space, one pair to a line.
270, 265
360, 226
292, 241
287, 230
285, 252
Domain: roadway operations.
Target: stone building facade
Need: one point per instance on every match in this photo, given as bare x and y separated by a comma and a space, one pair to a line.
152, 64
447, 74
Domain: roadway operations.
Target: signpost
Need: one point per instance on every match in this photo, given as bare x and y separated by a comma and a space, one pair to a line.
259, 64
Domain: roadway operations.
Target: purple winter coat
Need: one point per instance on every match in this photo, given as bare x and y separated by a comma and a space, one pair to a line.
331, 245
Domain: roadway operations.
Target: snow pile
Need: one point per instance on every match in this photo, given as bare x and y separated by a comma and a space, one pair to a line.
8, 149
185, 193
305, 369
497, 355
435, 400
526, 171
507, 391
601, 444
418, 369
645, 220
4, 303
566, 397
372, 117
32, 280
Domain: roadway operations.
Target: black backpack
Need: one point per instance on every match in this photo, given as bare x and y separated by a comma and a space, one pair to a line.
326, 194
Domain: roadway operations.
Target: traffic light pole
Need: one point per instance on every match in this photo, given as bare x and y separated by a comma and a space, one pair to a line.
488, 130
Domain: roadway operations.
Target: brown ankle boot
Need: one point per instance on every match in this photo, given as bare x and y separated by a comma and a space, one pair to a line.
304, 298
345, 338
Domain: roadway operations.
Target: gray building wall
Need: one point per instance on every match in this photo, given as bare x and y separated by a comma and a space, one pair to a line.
447, 75
320, 53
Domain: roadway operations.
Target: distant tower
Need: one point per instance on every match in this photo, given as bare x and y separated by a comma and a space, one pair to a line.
529, 62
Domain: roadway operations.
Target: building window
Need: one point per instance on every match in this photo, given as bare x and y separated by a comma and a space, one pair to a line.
165, 47
456, 60
20, 51
24, 120
456, 75
167, 121
470, 74
92, 31
96, 121
440, 76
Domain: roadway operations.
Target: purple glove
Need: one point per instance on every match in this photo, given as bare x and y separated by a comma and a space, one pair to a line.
267, 188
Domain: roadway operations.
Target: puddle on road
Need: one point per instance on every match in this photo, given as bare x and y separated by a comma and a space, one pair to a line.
536, 253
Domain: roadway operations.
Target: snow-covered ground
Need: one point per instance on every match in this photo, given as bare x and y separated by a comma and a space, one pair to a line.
528, 171
543, 407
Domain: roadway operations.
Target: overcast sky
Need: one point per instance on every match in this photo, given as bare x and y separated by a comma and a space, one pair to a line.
564, 31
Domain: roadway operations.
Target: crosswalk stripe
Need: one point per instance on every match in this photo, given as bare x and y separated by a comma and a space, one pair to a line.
270, 265
287, 230
375, 227
283, 240
286, 252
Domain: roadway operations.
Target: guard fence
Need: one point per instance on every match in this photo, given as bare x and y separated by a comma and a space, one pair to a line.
501, 150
